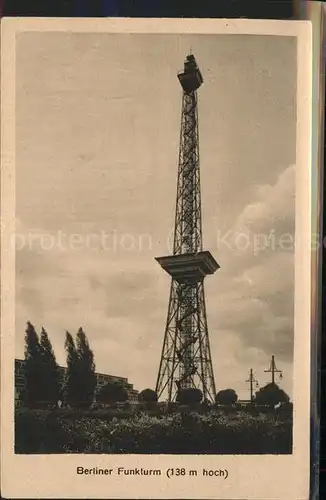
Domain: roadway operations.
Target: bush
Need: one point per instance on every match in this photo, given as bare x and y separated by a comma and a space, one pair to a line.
189, 396
226, 397
148, 396
215, 432
271, 395
44, 432
112, 393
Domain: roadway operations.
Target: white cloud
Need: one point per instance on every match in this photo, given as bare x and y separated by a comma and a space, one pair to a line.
273, 207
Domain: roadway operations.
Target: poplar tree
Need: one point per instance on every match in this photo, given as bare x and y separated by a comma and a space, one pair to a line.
50, 371
87, 374
72, 378
33, 367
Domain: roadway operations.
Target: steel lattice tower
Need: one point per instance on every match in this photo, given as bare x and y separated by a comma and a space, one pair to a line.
186, 357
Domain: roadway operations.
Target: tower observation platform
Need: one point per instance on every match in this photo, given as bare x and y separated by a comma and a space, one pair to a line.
191, 78
186, 356
189, 268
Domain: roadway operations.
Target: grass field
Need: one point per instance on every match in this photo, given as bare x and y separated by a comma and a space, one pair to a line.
215, 432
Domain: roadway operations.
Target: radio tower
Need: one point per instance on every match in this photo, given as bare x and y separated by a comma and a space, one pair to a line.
186, 357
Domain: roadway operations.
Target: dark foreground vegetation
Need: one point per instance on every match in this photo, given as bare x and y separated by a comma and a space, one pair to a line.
224, 431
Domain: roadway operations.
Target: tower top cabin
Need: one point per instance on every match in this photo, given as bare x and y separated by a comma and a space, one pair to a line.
191, 78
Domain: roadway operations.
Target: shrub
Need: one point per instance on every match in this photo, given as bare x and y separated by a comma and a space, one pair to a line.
189, 396
215, 432
112, 392
271, 395
44, 432
226, 397
148, 396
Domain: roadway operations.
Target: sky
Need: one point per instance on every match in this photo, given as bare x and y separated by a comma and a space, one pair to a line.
97, 137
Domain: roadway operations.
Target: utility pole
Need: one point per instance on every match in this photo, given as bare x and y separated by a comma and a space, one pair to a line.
272, 369
252, 381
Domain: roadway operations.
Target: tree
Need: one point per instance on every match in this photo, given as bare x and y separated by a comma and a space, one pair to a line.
81, 377
271, 395
33, 368
189, 396
226, 397
72, 386
112, 392
50, 371
148, 396
86, 369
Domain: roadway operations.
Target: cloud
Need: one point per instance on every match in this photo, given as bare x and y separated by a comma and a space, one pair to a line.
273, 208
255, 297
